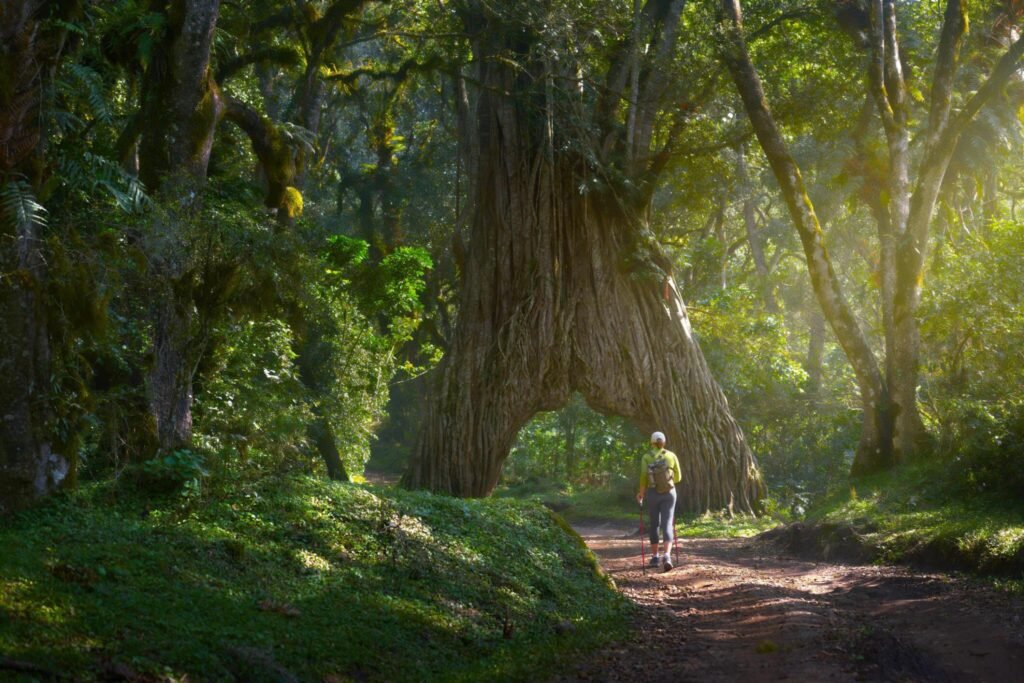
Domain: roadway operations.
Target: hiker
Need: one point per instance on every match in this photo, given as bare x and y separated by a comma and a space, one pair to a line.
659, 474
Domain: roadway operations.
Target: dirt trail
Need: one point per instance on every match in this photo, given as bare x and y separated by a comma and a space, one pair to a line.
736, 610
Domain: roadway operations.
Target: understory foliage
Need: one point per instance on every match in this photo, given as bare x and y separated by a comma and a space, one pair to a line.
975, 396
574, 447
803, 436
248, 281
297, 577
253, 407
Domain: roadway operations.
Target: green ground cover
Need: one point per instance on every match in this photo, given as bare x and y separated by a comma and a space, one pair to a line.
920, 514
298, 577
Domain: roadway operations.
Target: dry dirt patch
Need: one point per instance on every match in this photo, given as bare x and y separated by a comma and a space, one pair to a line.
736, 609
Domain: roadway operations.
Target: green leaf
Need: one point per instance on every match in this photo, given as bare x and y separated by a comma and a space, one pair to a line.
19, 205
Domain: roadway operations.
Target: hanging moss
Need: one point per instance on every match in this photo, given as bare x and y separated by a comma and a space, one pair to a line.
291, 203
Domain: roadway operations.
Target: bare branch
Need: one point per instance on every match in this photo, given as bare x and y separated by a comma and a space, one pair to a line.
895, 86
876, 67
954, 26
406, 68
283, 56
618, 72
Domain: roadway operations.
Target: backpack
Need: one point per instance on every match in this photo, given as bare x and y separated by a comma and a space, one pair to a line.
660, 474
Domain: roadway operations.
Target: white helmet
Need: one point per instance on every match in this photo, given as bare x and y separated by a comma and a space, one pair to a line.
657, 436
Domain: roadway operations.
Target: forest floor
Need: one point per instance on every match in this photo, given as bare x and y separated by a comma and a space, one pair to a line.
737, 609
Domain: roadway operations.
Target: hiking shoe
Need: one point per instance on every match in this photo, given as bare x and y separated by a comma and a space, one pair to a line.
667, 566
655, 560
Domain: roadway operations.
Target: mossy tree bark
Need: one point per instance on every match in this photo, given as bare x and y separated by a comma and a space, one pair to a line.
32, 47
564, 291
179, 91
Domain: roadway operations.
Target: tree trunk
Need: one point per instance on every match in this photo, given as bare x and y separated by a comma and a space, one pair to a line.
180, 93
29, 469
173, 370
754, 238
887, 277
322, 436
943, 136
815, 352
547, 308
889, 91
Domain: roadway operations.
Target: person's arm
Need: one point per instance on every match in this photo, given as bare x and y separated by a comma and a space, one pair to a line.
676, 471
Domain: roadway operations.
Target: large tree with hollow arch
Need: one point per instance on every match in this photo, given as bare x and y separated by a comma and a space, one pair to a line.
563, 285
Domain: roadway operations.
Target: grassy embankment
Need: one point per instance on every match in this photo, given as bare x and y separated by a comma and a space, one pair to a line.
917, 514
296, 579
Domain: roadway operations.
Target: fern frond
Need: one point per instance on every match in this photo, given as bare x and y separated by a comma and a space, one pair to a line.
66, 122
19, 206
299, 136
91, 172
90, 86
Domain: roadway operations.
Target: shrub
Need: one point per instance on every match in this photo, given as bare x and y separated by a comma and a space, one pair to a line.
181, 470
985, 443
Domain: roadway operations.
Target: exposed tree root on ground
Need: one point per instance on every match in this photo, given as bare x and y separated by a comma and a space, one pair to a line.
736, 610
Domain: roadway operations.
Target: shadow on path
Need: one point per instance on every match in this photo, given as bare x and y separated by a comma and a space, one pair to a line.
734, 609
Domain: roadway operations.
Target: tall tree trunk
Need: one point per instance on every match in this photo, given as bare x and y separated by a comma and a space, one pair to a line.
322, 435
546, 309
179, 91
29, 469
887, 277
815, 352
888, 89
173, 369
943, 135
875, 449
754, 238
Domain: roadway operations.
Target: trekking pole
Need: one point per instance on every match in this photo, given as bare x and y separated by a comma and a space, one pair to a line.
675, 540
643, 558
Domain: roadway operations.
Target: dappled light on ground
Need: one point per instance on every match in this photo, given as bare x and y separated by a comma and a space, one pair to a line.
734, 609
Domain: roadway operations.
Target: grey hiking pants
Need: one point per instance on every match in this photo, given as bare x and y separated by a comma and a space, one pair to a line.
661, 511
